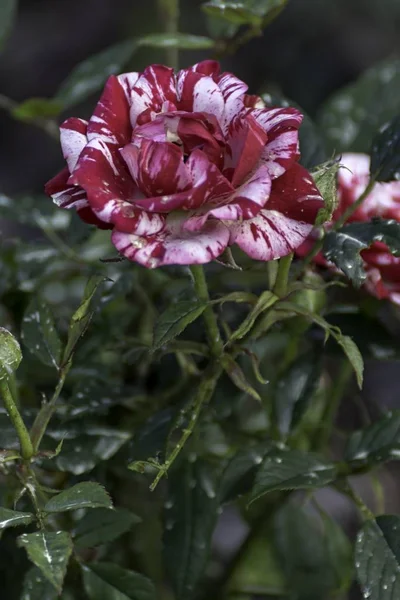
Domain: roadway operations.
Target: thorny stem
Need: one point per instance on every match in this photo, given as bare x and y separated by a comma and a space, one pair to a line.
16, 419
213, 333
204, 394
169, 10
345, 216
282, 277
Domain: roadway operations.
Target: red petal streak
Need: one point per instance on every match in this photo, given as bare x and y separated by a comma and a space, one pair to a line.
110, 120
154, 87
73, 140
64, 194
199, 93
246, 140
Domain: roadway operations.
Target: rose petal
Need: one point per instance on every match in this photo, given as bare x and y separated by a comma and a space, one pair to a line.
111, 192
246, 140
73, 140
281, 125
157, 168
233, 90
128, 81
153, 88
110, 120
286, 221
199, 93
172, 246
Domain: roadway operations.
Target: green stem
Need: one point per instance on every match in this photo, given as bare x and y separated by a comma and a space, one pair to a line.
17, 421
204, 394
332, 405
346, 489
46, 412
169, 11
282, 277
345, 216
212, 330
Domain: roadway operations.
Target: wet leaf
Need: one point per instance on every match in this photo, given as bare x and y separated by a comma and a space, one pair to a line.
8, 13
13, 518
379, 442
377, 558
87, 494
238, 476
101, 525
174, 320
183, 41
291, 470
343, 247
305, 547
295, 391
37, 587
325, 177
106, 581
256, 13
385, 152
39, 333
50, 552
10, 353
193, 492
90, 75
351, 118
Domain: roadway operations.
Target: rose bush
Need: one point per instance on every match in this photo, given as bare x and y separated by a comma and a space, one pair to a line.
382, 268
181, 166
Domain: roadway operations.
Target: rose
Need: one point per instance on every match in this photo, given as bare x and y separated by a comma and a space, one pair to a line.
382, 268
181, 166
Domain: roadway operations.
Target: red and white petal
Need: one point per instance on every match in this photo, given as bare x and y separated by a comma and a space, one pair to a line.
207, 67
233, 90
199, 93
110, 190
286, 220
282, 148
157, 168
154, 87
73, 140
64, 194
246, 140
251, 101
173, 246
128, 81
110, 121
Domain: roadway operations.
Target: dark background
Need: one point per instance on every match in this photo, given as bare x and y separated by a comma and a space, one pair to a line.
312, 49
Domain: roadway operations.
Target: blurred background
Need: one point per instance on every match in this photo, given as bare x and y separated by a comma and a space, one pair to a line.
313, 48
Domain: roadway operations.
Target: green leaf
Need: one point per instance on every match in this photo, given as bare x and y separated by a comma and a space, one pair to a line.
339, 552
34, 108
192, 492
10, 354
295, 391
292, 470
8, 12
325, 177
13, 518
377, 558
234, 12
101, 525
50, 551
82, 495
106, 581
305, 548
90, 75
37, 587
265, 301
385, 152
343, 247
379, 442
174, 321
237, 376
39, 333
183, 41
351, 118
83, 315
238, 476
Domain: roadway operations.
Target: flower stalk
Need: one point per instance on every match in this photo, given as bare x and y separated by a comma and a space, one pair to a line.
282, 276
17, 421
213, 333
169, 11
